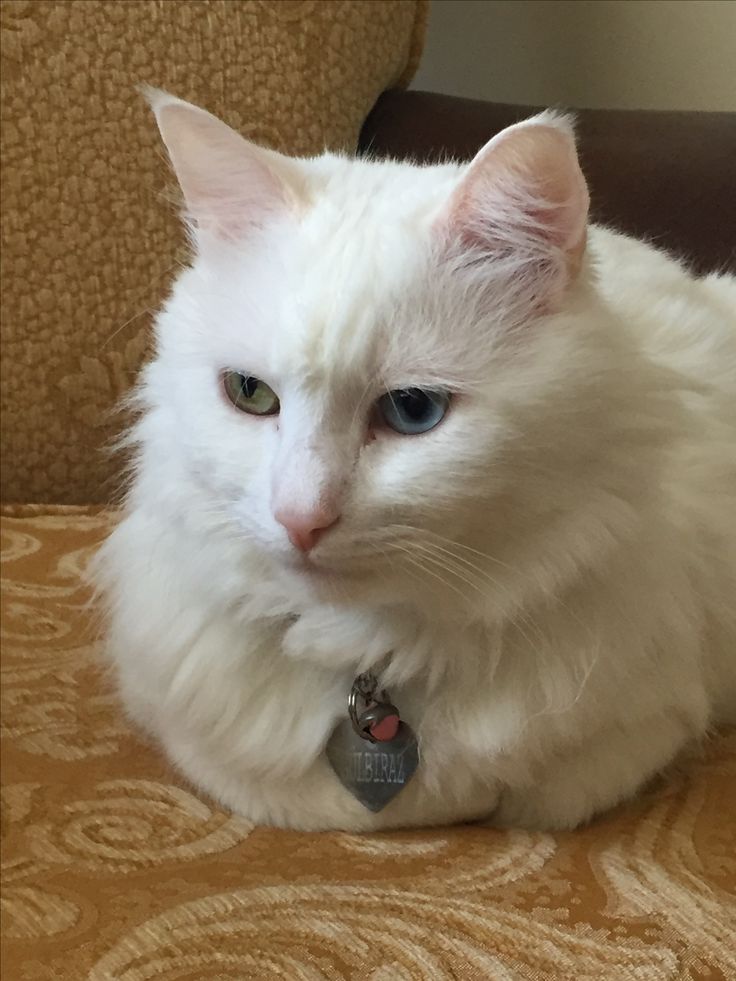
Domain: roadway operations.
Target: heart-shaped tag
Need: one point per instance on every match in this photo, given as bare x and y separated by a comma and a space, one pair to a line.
373, 772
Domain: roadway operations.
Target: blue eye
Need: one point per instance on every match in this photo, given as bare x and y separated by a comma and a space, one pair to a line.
413, 410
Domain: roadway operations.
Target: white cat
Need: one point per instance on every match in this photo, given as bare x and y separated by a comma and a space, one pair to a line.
533, 540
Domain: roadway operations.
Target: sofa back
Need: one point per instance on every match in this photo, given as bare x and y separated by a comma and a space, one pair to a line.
90, 238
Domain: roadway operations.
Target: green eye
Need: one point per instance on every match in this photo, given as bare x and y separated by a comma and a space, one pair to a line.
250, 394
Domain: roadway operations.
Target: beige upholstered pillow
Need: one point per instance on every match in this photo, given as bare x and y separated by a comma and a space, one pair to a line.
89, 241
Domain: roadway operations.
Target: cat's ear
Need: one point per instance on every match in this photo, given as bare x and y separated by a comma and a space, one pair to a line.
522, 205
230, 185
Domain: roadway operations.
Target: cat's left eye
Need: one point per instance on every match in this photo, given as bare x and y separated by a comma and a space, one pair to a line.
411, 411
250, 394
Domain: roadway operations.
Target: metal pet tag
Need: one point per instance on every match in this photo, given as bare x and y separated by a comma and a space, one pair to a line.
373, 753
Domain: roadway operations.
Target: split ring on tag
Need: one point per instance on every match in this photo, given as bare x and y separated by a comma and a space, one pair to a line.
379, 721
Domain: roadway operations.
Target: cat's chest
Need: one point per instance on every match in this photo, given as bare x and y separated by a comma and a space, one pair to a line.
442, 679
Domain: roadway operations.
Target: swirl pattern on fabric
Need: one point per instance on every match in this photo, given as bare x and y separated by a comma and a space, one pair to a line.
114, 870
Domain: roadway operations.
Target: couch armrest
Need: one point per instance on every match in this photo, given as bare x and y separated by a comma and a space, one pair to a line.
669, 177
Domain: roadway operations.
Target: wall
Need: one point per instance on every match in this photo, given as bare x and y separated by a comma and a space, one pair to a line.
627, 54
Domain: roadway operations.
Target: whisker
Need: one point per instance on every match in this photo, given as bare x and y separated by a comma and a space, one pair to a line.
504, 565
472, 567
411, 559
511, 617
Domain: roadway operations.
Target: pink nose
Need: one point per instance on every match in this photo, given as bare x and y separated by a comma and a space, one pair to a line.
305, 529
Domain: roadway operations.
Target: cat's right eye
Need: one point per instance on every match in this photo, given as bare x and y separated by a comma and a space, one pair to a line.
250, 394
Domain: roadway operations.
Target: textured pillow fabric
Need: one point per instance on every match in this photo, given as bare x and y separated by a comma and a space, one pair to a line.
90, 241
115, 869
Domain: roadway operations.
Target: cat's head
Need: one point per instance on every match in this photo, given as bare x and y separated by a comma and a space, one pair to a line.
371, 369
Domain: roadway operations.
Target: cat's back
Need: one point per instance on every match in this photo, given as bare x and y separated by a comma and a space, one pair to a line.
688, 324
683, 321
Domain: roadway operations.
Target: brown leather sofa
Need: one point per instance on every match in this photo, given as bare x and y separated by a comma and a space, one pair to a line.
668, 177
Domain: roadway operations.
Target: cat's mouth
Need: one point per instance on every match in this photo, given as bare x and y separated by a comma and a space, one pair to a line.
323, 570
311, 567
319, 568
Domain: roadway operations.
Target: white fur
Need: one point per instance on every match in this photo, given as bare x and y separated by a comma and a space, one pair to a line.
553, 568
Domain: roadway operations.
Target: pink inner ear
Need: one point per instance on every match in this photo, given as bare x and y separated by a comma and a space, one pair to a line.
524, 201
228, 183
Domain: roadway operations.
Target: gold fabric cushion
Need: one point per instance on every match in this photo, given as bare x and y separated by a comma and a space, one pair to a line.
114, 868
90, 242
